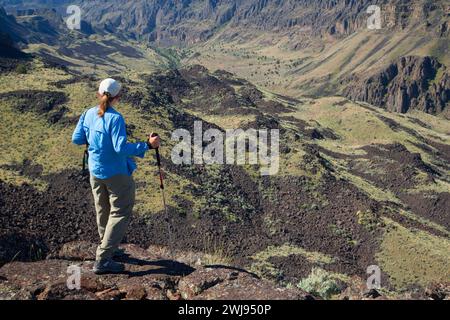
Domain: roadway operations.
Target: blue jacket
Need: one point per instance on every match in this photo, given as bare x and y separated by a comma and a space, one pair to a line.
109, 152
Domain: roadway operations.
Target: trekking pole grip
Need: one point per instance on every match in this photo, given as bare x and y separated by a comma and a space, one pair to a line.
158, 157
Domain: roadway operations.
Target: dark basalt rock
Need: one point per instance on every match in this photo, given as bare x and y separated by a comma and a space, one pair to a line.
420, 83
47, 103
148, 275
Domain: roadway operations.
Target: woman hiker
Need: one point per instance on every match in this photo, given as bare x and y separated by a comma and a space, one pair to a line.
111, 165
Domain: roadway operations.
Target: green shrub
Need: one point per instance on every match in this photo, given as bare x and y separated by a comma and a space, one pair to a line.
21, 68
319, 283
367, 219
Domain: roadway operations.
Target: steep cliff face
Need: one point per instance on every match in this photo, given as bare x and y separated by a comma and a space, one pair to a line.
420, 83
11, 31
37, 26
191, 21
165, 22
10, 35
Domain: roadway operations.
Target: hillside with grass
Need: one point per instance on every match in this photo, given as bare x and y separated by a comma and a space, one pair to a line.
364, 174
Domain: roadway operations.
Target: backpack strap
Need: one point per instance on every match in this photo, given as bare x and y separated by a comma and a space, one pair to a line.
85, 158
85, 163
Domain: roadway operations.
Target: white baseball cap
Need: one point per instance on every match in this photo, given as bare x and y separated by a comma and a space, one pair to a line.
111, 86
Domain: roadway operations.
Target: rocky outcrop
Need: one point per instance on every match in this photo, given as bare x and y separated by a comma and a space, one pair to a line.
10, 54
37, 26
150, 274
157, 274
420, 83
10, 34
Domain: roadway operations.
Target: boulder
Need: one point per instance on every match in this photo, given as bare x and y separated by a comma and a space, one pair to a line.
438, 291
223, 283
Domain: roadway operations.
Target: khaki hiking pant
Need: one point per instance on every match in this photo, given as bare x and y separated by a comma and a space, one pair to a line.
114, 201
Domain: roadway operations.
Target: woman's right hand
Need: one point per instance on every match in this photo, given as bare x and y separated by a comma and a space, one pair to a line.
154, 140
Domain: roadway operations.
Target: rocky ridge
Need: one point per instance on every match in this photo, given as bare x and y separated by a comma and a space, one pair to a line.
150, 274
159, 274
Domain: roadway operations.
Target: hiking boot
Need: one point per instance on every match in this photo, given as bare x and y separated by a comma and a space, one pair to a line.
119, 253
107, 266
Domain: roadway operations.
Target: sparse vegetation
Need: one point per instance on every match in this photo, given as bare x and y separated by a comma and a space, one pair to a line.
266, 269
215, 252
368, 219
21, 68
320, 283
411, 256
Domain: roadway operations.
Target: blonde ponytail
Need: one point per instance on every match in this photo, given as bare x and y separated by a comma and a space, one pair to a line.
105, 101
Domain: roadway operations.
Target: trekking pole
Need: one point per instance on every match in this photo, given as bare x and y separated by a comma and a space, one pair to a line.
161, 186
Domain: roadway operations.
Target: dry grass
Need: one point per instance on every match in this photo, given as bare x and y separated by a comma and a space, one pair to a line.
287, 250
411, 256
148, 62
264, 268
